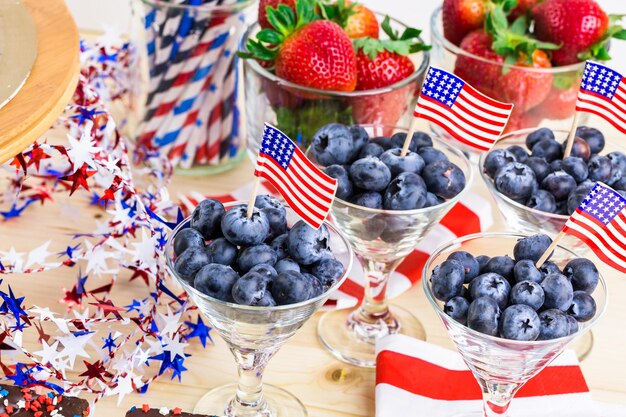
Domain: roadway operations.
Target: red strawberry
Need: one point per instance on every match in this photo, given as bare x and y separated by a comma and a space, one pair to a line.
461, 17
385, 108
361, 23
560, 103
577, 25
483, 66
264, 4
520, 120
523, 7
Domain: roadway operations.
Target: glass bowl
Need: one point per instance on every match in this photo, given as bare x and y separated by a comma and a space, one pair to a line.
254, 335
535, 105
381, 239
502, 366
299, 111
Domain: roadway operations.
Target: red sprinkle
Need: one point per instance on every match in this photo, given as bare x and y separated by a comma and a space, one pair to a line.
145, 408
38, 414
177, 411
9, 409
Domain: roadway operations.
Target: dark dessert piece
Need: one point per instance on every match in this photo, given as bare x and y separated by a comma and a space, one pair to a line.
146, 411
25, 402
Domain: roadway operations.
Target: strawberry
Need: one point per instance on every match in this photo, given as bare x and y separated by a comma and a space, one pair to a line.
524, 7
384, 109
461, 17
357, 20
380, 63
264, 4
581, 27
483, 66
525, 89
308, 52
560, 102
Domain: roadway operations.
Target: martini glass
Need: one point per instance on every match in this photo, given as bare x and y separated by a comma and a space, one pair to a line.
502, 366
254, 335
381, 240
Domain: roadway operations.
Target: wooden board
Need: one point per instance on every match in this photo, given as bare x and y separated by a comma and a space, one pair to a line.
51, 83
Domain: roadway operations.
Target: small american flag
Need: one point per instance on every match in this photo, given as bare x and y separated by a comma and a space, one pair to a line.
307, 190
466, 114
600, 222
603, 93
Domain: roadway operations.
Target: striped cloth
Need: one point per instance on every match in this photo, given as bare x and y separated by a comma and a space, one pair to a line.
471, 215
415, 379
603, 93
466, 114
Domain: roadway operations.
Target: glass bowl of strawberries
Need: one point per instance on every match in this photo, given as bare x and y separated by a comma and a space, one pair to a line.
530, 53
309, 63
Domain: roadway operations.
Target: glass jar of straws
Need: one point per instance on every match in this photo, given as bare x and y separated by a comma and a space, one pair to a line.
185, 74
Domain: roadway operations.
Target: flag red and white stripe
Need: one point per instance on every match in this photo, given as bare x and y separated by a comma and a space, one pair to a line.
306, 188
416, 378
603, 93
466, 114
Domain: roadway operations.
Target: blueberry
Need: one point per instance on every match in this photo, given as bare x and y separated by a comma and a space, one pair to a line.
444, 179
580, 149
371, 149
383, 142
521, 155
344, 184
243, 231
187, 238
573, 324
307, 245
316, 288
620, 185
583, 274
287, 264
265, 270
275, 212
599, 168
482, 260
577, 196
531, 247
447, 280
618, 166
430, 155
395, 228
560, 184
558, 291
539, 166
516, 181
266, 301
206, 218
332, 144
328, 271
583, 306
470, 264
373, 227
251, 288
483, 316
556, 165
525, 270
406, 192
418, 141
549, 149
576, 168
520, 322
592, 136
554, 324
279, 245
370, 199
529, 293
539, 135
291, 287
490, 285
432, 200
191, 261
256, 255
397, 164
370, 174
457, 309
496, 159
550, 267
216, 280
222, 251
542, 200
501, 265
561, 208
360, 138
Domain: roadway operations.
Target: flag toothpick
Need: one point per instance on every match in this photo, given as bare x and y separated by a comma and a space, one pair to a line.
409, 136
571, 136
253, 194
550, 249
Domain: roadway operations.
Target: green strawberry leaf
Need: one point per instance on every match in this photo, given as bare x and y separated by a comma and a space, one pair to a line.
615, 18
520, 26
407, 44
508, 5
370, 46
386, 27
410, 33
270, 36
621, 34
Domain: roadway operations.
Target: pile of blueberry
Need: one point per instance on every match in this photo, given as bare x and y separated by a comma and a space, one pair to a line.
372, 173
257, 261
543, 180
511, 298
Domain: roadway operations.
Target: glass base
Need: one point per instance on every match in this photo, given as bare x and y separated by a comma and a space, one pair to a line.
583, 345
355, 343
280, 403
208, 169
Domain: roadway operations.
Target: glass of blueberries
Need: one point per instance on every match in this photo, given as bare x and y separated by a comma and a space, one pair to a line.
385, 204
507, 325
257, 280
536, 190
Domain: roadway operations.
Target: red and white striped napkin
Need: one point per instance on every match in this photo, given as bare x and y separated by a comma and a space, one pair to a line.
471, 215
416, 379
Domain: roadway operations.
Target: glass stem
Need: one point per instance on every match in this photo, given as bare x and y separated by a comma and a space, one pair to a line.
497, 397
249, 400
374, 307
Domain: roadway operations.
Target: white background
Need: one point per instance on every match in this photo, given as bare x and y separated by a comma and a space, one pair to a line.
95, 14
